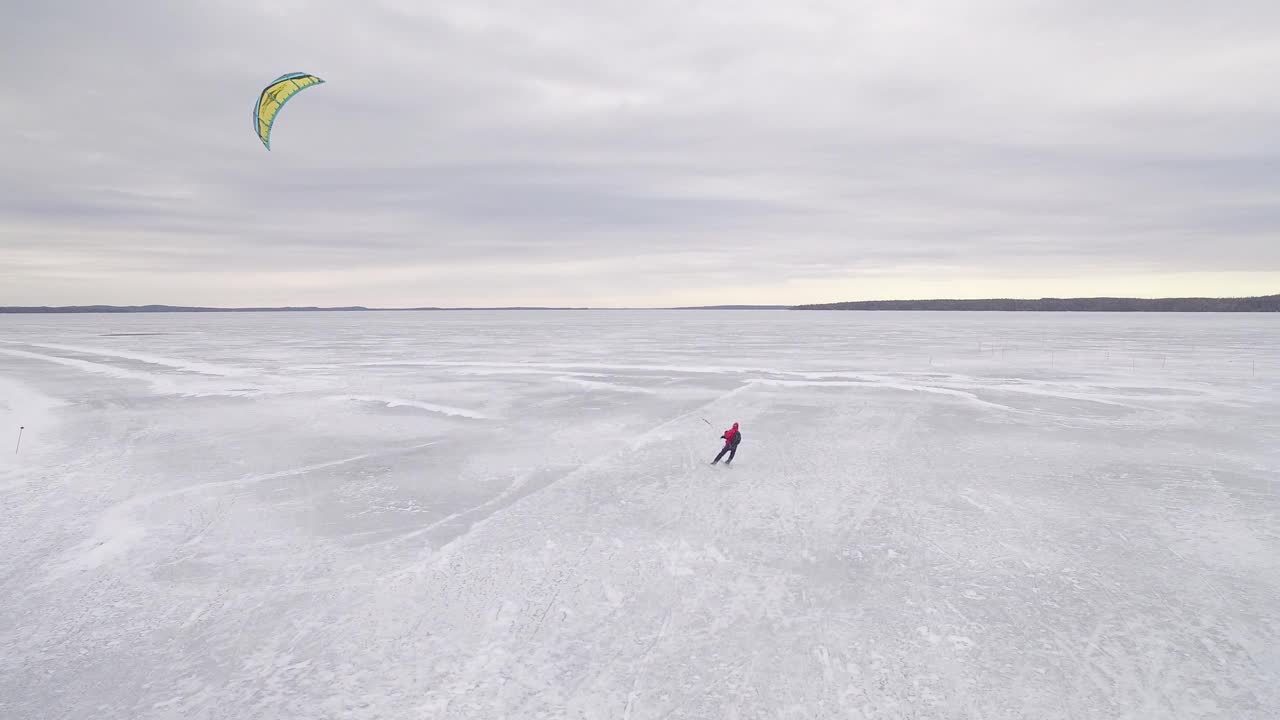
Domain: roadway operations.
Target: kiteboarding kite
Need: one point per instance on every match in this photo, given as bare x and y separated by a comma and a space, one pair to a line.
273, 97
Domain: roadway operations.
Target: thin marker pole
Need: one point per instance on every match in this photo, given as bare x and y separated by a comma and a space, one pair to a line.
15, 447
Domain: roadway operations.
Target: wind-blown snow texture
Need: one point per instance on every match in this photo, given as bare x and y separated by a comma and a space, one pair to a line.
485, 515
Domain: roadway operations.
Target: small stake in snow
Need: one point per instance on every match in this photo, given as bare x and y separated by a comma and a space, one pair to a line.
15, 447
707, 422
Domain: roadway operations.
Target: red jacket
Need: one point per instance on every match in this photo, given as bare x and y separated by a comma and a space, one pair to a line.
731, 435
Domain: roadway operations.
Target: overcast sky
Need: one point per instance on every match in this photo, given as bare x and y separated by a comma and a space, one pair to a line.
609, 153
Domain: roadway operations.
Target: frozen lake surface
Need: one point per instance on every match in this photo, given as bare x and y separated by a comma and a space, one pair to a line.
493, 515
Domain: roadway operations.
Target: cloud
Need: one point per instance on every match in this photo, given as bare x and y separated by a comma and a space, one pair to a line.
609, 152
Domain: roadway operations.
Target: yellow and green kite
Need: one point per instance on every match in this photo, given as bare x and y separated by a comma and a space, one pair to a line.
273, 97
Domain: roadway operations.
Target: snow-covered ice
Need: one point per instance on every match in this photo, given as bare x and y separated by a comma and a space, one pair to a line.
511, 514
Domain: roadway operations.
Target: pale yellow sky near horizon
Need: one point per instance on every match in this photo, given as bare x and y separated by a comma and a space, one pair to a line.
894, 287
573, 285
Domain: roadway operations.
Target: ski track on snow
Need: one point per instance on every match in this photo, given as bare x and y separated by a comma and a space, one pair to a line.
193, 366
600, 461
159, 384
393, 402
607, 386
116, 531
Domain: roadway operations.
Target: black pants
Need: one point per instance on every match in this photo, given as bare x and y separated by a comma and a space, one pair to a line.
731, 449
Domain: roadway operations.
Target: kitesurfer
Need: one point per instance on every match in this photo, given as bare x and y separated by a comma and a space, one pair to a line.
731, 438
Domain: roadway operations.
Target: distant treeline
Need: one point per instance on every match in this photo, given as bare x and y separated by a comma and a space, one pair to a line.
1268, 303
156, 309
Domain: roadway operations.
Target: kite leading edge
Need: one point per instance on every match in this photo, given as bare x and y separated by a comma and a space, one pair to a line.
273, 97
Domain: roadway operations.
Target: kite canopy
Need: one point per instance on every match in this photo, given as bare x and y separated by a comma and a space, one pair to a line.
273, 97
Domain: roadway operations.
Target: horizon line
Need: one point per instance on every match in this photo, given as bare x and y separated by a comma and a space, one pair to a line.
166, 308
